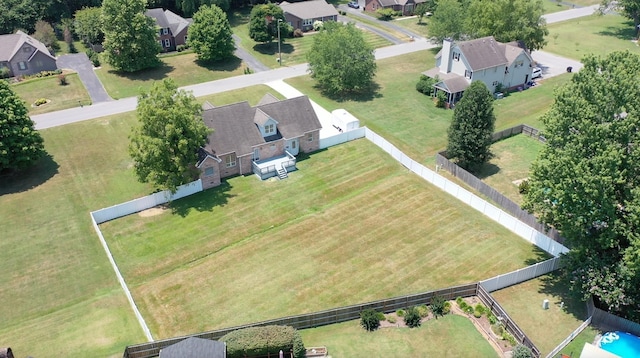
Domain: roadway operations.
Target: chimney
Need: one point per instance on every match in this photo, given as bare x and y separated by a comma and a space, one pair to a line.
445, 59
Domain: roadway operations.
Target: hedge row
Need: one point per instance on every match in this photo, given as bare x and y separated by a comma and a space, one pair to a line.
260, 341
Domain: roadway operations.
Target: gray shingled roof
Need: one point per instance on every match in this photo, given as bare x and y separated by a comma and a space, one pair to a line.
195, 348
309, 9
158, 15
176, 22
235, 129
267, 98
11, 43
482, 53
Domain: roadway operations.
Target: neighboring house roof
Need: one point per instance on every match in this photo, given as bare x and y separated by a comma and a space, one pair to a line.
10, 44
195, 348
268, 98
235, 129
386, 3
452, 82
168, 19
513, 49
309, 9
482, 53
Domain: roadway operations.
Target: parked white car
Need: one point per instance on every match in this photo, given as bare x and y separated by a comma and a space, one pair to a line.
537, 72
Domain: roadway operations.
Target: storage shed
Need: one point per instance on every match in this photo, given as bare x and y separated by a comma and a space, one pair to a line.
344, 121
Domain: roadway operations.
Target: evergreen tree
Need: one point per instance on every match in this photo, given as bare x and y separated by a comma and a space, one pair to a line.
471, 131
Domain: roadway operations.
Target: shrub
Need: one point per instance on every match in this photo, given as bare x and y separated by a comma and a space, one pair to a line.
62, 79
400, 313
520, 351
523, 187
385, 14
425, 85
469, 309
247, 71
437, 305
317, 25
479, 310
262, 341
181, 48
460, 301
447, 307
286, 30
40, 101
93, 57
442, 99
369, 319
508, 337
381, 316
4, 72
423, 311
492, 318
412, 317
298, 33
391, 319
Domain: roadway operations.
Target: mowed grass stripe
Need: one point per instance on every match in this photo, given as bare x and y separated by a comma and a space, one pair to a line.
382, 233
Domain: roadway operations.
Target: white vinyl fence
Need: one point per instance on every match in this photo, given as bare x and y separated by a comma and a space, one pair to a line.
521, 275
496, 214
570, 338
342, 138
144, 203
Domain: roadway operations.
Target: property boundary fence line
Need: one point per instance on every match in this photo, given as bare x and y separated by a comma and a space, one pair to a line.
524, 274
509, 324
607, 321
507, 204
315, 319
512, 223
342, 137
570, 338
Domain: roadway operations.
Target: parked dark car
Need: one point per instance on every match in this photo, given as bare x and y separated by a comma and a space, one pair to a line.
354, 4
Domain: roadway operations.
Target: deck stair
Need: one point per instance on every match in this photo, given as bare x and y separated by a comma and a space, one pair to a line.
282, 173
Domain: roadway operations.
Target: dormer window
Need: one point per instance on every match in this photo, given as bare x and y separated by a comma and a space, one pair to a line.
468, 74
456, 56
269, 129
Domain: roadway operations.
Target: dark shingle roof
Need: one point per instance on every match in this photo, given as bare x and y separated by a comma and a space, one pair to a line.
482, 53
195, 348
11, 43
235, 129
158, 15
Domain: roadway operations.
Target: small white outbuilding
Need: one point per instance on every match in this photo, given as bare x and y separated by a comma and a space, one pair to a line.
344, 121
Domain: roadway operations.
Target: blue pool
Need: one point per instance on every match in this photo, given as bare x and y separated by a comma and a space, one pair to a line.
621, 343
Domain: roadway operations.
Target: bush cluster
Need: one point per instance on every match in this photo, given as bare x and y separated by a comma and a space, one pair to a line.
387, 14
42, 74
425, 85
520, 351
93, 57
298, 33
523, 187
40, 101
4, 72
412, 317
181, 48
262, 341
370, 319
62, 80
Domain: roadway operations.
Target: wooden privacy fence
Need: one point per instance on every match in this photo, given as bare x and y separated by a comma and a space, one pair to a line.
607, 321
509, 324
505, 203
316, 319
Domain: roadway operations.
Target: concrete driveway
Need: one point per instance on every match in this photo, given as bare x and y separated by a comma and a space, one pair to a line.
80, 63
553, 65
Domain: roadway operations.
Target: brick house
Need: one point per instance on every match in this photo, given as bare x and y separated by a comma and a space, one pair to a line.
263, 140
302, 15
172, 28
405, 7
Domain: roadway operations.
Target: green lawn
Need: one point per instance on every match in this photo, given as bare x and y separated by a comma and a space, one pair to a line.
60, 293
512, 162
294, 50
591, 35
397, 34
307, 243
411, 23
551, 6
546, 328
183, 68
64, 48
574, 348
71, 95
449, 336
410, 120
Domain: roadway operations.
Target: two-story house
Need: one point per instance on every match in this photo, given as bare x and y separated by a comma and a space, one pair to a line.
23, 55
504, 65
302, 15
172, 29
263, 140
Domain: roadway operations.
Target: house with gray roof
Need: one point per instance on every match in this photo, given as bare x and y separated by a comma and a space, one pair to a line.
302, 15
194, 347
172, 28
498, 65
263, 140
24, 55
405, 7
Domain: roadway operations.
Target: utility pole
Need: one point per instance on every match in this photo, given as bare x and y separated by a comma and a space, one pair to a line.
279, 50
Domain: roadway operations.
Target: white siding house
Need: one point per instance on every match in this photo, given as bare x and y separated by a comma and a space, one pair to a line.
485, 59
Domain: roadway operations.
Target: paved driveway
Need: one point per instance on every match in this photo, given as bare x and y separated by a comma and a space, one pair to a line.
80, 63
553, 65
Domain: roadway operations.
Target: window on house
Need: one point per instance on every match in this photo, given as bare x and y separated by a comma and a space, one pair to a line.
160, 32
165, 31
208, 171
22, 65
185, 39
310, 137
167, 43
506, 70
293, 144
456, 56
230, 161
495, 83
307, 22
468, 74
519, 63
269, 128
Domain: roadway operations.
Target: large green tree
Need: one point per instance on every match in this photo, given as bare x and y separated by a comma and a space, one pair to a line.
447, 21
20, 144
210, 35
508, 20
586, 180
630, 9
88, 24
471, 131
340, 60
263, 24
189, 7
164, 146
130, 42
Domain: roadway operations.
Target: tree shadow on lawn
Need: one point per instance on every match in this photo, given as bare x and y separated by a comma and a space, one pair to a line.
19, 181
557, 284
271, 48
203, 201
486, 170
228, 65
540, 255
626, 33
156, 73
367, 95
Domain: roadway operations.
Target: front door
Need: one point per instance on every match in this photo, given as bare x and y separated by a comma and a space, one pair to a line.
293, 146
256, 154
